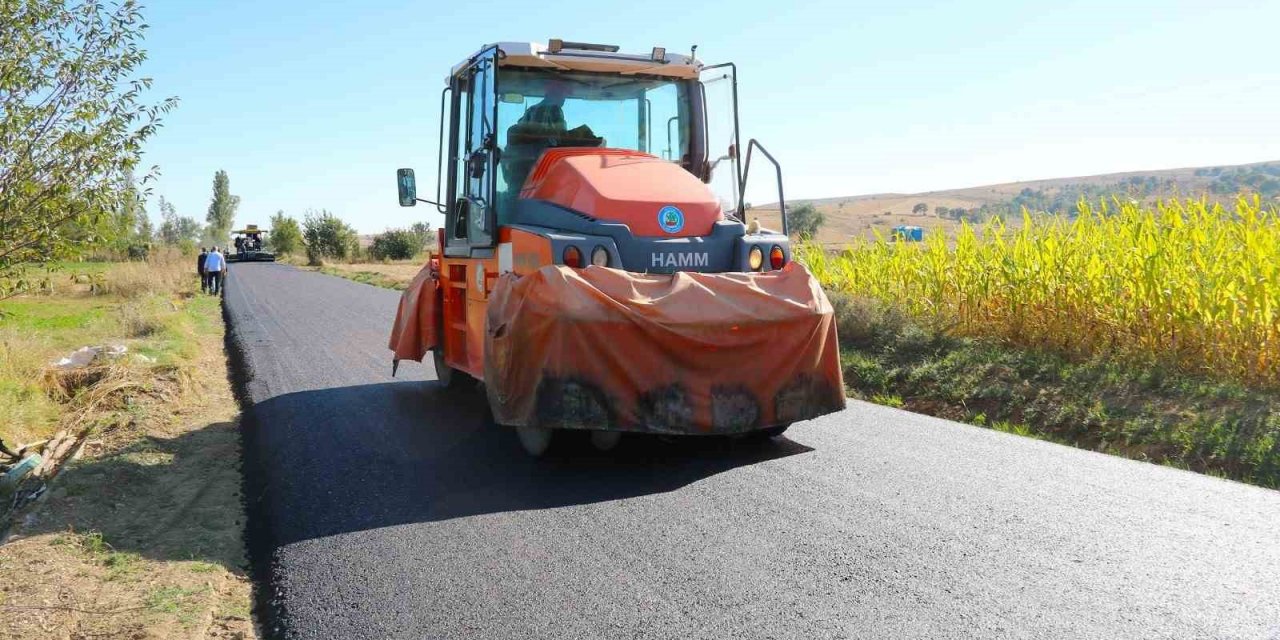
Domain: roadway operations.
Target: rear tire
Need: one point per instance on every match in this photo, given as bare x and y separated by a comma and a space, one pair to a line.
771, 432
449, 377
535, 440
605, 440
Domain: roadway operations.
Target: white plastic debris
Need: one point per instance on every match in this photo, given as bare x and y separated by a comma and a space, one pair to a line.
84, 356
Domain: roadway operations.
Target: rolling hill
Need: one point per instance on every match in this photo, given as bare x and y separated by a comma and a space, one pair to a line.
862, 216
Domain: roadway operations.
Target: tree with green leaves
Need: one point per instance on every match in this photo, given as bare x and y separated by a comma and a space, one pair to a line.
327, 236
920, 209
139, 240
145, 232
72, 121
285, 237
177, 230
222, 209
426, 237
805, 220
119, 232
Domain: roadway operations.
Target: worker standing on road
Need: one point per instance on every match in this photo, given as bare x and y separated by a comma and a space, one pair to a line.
204, 277
215, 265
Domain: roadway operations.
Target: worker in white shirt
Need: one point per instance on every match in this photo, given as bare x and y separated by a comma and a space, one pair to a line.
215, 266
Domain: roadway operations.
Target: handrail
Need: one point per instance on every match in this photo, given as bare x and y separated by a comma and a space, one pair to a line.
440, 150
742, 194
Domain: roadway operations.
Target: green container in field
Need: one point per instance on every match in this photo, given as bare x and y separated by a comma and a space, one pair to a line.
9, 481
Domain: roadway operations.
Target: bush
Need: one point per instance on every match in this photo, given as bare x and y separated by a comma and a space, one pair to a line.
395, 244
285, 237
327, 236
138, 250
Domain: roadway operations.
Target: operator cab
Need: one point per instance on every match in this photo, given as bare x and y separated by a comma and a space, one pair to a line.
579, 143
555, 109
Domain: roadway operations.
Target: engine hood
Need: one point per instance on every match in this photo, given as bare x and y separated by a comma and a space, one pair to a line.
652, 196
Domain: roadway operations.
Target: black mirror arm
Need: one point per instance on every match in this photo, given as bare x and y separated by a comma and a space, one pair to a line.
428, 202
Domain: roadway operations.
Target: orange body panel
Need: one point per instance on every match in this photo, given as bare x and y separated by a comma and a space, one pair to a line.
529, 252
466, 284
624, 186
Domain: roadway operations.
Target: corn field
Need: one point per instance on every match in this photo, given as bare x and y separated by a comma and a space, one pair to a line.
1181, 282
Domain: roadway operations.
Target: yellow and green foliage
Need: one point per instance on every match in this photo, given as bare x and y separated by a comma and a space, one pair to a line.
1183, 283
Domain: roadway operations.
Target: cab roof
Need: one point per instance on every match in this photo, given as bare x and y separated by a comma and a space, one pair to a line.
575, 56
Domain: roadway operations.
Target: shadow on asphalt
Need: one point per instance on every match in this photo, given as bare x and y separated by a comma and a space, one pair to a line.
334, 461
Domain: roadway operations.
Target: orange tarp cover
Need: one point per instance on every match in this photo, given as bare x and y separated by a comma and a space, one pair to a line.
685, 353
415, 329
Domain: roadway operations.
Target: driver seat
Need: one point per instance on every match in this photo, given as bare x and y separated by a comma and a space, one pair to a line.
526, 141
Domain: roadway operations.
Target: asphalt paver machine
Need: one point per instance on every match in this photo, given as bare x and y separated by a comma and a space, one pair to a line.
248, 247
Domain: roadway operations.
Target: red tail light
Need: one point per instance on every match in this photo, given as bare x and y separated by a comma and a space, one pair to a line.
776, 257
572, 257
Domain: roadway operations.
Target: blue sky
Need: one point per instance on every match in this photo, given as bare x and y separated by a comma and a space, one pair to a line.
315, 104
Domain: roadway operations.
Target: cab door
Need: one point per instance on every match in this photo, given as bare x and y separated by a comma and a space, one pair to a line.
481, 148
720, 117
472, 217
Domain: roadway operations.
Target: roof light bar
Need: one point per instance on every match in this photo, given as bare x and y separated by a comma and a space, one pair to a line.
556, 45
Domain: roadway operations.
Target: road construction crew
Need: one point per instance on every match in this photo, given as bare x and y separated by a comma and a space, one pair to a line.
204, 277
215, 265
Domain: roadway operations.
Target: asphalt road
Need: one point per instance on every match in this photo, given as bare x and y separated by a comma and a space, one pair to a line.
383, 508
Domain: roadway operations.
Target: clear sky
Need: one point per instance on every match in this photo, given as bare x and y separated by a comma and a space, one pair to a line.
315, 104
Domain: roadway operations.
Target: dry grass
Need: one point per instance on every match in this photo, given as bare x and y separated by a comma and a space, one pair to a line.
391, 275
149, 307
141, 536
27, 413
137, 279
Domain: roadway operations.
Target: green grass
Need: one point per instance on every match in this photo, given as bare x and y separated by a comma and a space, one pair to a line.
149, 308
1147, 413
52, 316
171, 599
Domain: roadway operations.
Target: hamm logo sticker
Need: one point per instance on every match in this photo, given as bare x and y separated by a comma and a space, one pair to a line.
671, 219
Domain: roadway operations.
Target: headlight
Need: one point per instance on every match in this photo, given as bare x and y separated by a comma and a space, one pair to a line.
600, 256
755, 258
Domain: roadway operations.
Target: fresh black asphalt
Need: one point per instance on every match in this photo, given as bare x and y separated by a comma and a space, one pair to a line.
386, 508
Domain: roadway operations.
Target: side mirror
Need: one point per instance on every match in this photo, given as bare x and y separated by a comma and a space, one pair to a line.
407, 186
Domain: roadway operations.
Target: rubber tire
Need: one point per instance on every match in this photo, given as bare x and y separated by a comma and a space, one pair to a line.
448, 377
771, 432
535, 440
605, 440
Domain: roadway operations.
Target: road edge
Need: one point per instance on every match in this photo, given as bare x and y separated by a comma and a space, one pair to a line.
258, 548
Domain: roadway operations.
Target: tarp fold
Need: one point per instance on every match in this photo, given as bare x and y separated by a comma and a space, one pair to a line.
416, 329
600, 348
